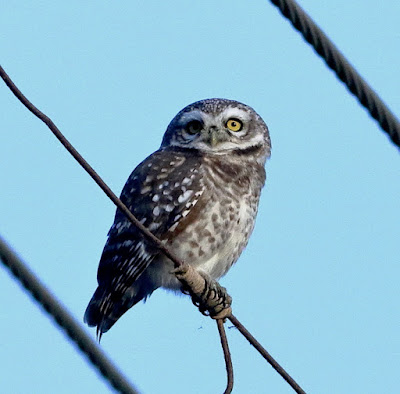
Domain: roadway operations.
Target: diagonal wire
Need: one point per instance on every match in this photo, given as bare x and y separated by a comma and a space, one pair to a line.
257, 345
64, 320
227, 356
342, 68
85, 165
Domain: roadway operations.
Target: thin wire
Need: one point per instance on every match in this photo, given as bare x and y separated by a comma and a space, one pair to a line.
227, 356
341, 66
295, 386
86, 166
177, 262
65, 320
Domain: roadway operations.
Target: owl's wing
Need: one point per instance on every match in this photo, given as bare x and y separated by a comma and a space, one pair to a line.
161, 191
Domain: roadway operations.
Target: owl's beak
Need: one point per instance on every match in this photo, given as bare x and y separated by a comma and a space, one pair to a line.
213, 136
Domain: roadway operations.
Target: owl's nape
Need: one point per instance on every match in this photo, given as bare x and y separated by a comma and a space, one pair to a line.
198, 194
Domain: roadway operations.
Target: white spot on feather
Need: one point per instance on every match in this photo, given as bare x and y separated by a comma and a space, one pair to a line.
174, 226
156, 211
154, 226
186, 195
169, 208
145, 190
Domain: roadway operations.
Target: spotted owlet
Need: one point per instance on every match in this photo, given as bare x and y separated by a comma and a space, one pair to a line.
198, 193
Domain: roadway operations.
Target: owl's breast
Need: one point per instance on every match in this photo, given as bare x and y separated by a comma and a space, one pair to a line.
219, 226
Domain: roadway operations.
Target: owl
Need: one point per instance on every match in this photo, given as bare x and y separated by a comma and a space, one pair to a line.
198, 194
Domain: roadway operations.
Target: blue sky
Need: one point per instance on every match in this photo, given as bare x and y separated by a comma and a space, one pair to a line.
318, 283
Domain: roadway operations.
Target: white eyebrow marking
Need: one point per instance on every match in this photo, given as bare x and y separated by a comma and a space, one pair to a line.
192, 115
235, 113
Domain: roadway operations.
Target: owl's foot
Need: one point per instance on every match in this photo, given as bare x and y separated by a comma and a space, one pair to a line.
207, 294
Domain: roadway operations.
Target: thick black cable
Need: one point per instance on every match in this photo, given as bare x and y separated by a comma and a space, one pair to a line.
64, 320
341, 66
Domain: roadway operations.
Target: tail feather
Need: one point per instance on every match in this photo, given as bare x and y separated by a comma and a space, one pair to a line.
105, 308
103, 312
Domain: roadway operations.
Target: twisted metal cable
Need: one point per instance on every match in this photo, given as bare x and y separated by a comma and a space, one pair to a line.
341, 66
64, 320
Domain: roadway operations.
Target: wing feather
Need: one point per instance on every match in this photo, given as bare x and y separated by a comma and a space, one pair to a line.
160, 192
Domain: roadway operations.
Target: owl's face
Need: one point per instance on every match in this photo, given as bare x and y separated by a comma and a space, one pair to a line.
218, 126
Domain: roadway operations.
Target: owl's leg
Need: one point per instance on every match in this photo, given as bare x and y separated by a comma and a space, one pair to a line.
207, 294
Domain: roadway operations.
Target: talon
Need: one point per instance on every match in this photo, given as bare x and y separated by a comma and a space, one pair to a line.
206, 293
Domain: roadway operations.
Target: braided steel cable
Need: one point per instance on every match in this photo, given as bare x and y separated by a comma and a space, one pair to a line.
341, 66
64, 320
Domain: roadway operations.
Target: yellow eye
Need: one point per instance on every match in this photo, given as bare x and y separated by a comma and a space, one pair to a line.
234, 124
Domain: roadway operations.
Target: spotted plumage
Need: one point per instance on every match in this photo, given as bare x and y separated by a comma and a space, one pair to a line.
198, 193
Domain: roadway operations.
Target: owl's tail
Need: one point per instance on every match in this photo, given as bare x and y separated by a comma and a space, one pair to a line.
105, 308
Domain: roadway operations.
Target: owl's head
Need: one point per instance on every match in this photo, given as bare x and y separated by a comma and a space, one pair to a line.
219, 126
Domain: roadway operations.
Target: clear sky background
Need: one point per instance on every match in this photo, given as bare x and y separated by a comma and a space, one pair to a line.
318, 284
